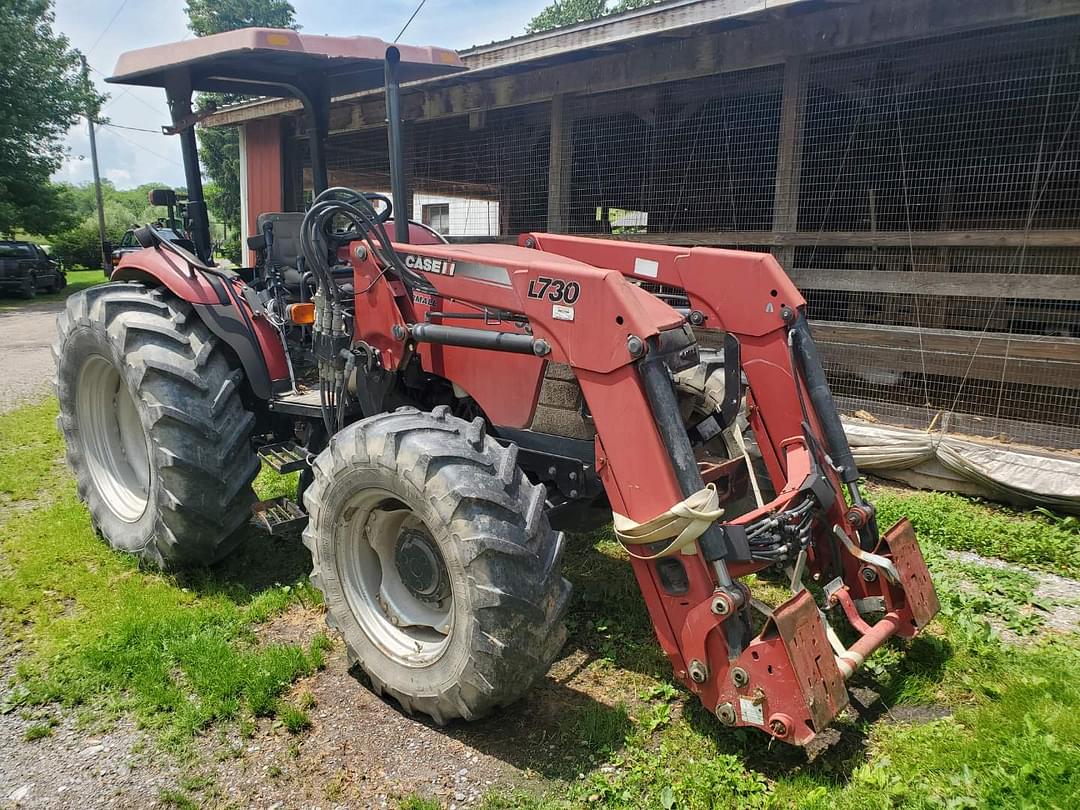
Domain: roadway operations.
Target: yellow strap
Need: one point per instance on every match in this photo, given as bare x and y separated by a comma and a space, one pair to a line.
686, 521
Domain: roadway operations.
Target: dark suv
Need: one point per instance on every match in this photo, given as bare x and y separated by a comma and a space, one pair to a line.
25, 268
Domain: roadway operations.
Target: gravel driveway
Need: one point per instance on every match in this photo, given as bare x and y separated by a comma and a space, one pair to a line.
27, 362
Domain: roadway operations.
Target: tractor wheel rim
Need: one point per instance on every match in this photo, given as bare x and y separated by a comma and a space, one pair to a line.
394, 578
113, 439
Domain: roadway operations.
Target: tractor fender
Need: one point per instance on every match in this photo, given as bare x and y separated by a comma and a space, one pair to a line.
222, 306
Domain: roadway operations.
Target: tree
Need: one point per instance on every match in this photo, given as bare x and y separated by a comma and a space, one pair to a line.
219, 148
42, 93
207, 17
568, 12
78, 243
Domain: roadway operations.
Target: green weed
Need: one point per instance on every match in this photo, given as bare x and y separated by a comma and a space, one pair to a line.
601, 728
177, 799
180, 653
294, 718
1037, 539
416, 802
38, 731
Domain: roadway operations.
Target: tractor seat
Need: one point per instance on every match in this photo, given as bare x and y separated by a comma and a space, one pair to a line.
284, 249
284, 244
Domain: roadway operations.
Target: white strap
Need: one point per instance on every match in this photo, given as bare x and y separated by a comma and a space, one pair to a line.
686, 521
749, 464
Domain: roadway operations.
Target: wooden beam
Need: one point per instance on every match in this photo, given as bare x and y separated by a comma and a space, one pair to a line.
987, 238
615, 29
560, 166
968, 285
828, 31
789, 154
1049, 361
1040, 434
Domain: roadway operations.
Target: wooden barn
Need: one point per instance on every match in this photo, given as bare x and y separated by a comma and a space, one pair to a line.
914, 164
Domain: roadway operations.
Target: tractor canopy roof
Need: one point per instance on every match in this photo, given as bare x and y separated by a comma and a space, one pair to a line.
267, 61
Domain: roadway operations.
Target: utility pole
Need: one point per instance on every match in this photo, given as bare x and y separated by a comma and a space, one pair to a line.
90, 115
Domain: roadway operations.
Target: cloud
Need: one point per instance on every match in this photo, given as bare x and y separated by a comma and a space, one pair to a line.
132, 158
121, 178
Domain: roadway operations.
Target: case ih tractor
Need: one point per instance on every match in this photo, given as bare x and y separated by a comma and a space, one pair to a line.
454, 408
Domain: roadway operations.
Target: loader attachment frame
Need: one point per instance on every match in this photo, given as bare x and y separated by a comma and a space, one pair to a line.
566, 300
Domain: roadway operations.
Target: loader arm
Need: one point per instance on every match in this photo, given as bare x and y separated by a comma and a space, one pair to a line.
567, 300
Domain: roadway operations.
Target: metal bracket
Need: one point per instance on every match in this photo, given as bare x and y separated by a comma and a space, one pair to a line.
187, 121
279, 515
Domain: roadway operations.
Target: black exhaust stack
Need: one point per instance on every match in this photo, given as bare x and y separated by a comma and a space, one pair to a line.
397, 154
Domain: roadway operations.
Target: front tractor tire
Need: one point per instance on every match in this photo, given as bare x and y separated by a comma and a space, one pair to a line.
157, 436
436, 562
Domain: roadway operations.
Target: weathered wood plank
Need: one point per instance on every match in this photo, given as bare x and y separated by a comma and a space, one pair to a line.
969, 285
829, 31
1039, 435
560, 165
1050, 361
977, 238
789, 153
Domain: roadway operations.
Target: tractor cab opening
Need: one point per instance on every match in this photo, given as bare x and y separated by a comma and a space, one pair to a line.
284, 64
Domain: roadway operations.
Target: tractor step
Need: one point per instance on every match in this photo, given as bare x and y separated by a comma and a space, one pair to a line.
285, 457
279, 515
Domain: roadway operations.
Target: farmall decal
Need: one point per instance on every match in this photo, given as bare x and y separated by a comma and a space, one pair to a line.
429, 264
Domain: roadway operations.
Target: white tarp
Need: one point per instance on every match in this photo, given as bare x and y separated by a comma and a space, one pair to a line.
1024, 477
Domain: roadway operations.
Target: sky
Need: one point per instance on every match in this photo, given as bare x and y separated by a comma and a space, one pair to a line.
102, 29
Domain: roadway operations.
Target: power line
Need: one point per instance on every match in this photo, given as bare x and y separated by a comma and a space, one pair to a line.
107, 27
133, 129
140, 146
125, 92
409, 21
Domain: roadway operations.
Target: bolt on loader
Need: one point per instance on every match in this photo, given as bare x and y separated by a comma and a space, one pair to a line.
454, 409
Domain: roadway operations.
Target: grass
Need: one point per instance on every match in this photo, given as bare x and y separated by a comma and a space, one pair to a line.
1037, 539
294, 718
415, 802
180, 653
1006, 738
963, 719
77, 280
38, 731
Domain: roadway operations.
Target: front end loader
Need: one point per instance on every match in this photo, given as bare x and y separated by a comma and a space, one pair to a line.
454, 409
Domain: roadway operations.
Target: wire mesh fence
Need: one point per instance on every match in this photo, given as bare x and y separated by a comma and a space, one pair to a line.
925, 196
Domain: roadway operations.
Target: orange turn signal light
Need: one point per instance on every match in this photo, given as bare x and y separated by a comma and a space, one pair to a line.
301, 314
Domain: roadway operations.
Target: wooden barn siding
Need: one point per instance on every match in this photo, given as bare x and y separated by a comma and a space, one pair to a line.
1026, 358
265, 189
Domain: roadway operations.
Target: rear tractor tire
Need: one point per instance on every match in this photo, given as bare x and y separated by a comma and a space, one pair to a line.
156, 433
436, 561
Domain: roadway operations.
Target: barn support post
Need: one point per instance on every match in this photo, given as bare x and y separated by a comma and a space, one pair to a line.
789, 156
560, 166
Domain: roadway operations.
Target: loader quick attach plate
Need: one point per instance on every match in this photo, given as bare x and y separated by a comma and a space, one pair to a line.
798, 622
915, 579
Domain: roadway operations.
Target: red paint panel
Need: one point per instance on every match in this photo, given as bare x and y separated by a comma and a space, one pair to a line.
153, 266
262, 148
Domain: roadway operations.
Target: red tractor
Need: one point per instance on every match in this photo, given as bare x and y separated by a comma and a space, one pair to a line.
454, 408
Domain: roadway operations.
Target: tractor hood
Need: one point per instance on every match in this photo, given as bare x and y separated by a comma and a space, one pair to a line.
272, 61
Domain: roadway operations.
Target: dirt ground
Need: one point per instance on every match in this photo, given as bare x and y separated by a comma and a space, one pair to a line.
360, 751
27, 333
